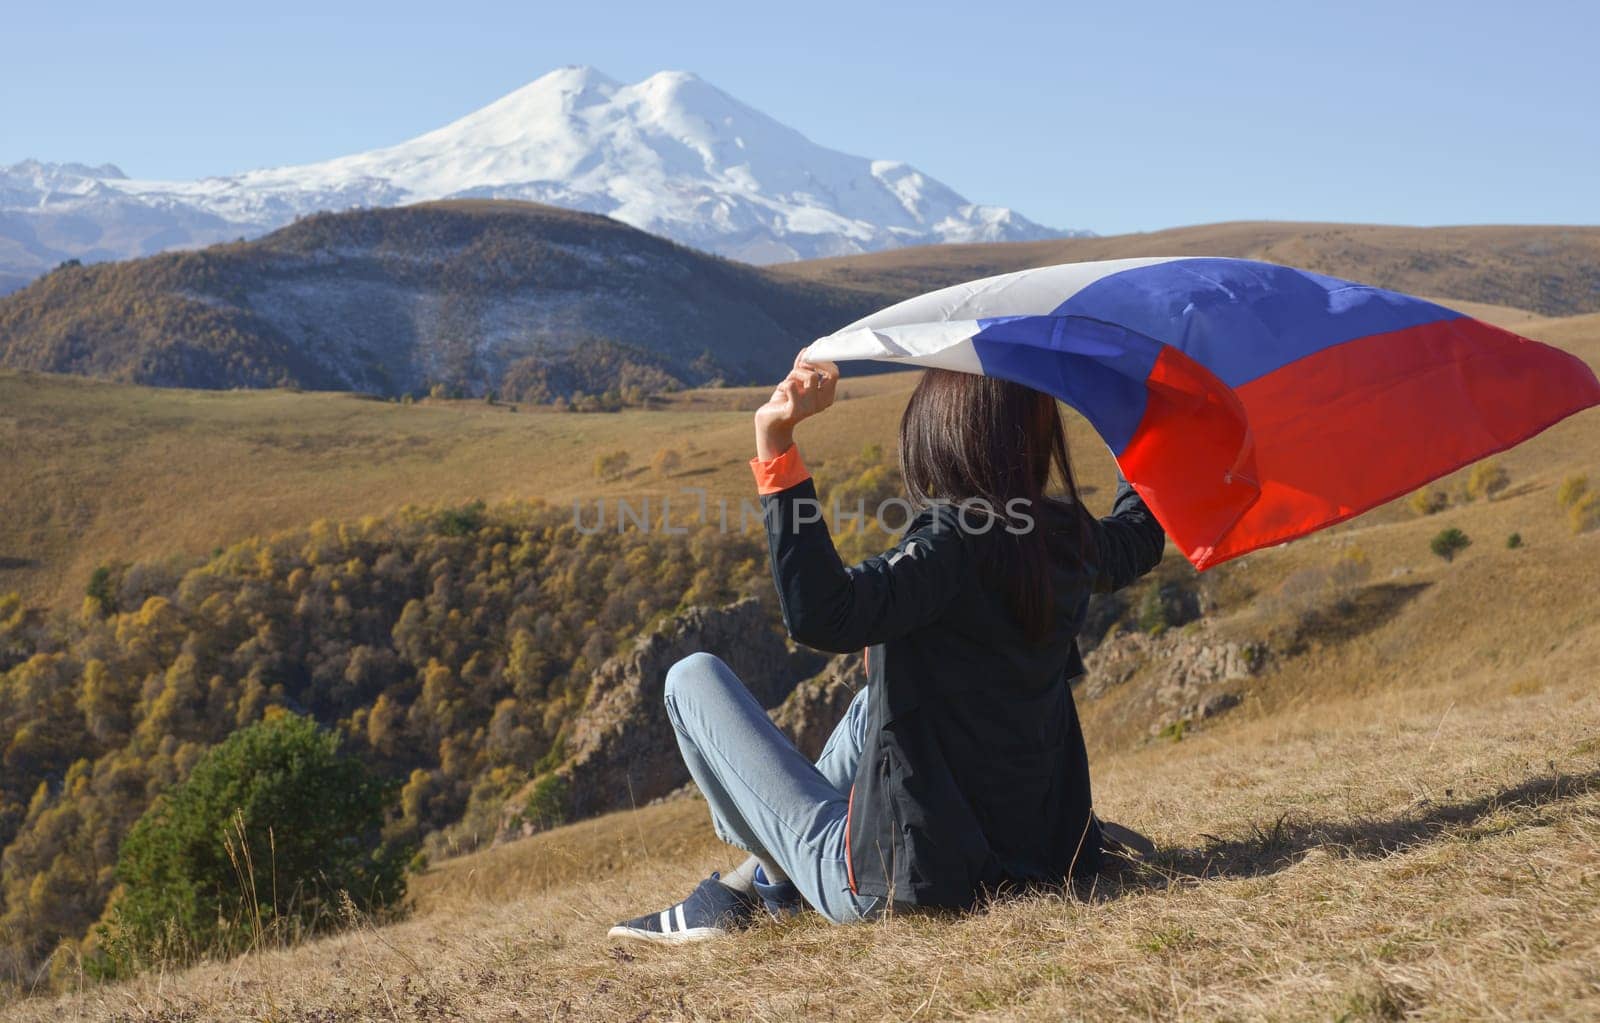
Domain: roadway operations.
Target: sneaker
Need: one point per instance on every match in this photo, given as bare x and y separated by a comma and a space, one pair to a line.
711, 911
782, 898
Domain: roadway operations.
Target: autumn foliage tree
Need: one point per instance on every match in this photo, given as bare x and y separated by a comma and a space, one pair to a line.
1572, 490
611, 464
1487, 480
666, 461
1428, 501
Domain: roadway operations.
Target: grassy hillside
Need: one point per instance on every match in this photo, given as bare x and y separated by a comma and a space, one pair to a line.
1406, 827
104, 471
522, 300
97, 471
1551, 270
1398, 817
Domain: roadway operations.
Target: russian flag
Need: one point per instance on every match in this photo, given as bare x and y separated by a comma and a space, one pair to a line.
1248, 403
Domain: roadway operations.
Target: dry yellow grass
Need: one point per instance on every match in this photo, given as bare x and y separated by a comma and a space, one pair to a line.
93, 471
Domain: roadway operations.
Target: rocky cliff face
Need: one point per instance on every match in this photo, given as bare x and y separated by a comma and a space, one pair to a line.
1183, 675
620, 749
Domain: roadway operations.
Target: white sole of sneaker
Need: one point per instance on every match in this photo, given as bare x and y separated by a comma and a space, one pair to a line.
683, 937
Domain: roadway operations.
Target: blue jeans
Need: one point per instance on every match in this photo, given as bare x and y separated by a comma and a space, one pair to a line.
765, 796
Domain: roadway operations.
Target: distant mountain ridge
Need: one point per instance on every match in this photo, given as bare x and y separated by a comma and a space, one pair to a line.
528, 302
1550, 269
534, 303
672, 155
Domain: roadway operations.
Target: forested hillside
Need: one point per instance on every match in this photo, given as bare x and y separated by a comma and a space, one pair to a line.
448, 649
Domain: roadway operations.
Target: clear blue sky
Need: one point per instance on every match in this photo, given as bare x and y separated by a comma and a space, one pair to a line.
1113, 116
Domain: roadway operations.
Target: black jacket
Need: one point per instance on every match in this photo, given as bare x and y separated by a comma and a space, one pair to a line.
974, 775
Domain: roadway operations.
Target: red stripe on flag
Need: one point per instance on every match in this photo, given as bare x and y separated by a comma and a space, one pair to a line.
1191, 458
1431, 399
1359, 424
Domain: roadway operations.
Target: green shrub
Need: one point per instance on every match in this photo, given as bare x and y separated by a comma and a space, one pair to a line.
547, 803
1255, 656
271, 833
101, 593
1153, 612
1514, 541
462, 521
1450, 542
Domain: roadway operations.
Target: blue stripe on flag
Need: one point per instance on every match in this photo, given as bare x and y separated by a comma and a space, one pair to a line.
1097, 368
1242, 319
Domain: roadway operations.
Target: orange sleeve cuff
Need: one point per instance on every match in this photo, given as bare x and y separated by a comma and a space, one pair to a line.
779, 473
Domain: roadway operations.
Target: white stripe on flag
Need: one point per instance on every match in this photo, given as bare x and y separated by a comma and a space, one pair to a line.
936, 329
1035, 292
941, 345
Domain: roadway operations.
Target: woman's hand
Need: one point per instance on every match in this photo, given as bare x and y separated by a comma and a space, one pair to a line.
808, 389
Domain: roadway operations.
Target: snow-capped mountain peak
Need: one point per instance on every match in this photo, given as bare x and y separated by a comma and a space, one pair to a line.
671, 154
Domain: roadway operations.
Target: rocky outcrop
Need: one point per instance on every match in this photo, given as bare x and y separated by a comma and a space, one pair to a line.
620, 749
1184, 675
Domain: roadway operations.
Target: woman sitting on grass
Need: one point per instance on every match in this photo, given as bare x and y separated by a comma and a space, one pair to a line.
960, 770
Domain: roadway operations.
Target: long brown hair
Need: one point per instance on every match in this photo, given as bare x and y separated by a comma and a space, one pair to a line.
965, 437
